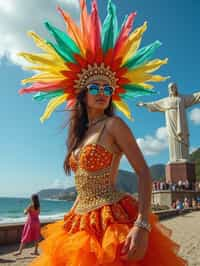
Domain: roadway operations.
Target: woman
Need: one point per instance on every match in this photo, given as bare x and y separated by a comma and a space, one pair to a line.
31, 230
95, 69
105, 227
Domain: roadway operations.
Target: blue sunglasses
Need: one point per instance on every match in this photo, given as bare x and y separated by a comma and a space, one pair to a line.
95, 89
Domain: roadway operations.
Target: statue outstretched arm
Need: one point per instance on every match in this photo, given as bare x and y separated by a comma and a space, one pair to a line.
194, 98
157, 106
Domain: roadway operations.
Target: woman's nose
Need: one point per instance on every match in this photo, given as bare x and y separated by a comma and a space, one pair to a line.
101, 91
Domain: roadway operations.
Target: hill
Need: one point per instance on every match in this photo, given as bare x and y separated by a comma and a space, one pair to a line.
126, 181
195, 157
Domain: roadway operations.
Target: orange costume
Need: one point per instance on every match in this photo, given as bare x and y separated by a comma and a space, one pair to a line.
94, 231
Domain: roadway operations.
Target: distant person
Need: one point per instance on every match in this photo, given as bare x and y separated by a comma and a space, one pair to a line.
173, 204
31, 230
179, 205
194, 203
186, 203
180, 183
198, 201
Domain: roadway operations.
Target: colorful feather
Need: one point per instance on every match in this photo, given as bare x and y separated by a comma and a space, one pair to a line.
61, 63
52, 105
110, 28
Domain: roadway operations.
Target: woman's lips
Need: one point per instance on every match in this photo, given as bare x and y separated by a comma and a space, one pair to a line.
100, 101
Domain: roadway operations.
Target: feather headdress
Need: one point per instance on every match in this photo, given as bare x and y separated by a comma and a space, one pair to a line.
92, 50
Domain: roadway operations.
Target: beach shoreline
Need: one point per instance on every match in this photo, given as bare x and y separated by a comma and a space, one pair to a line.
186, 233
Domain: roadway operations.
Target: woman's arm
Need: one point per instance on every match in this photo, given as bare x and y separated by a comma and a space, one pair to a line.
74, 205
27, 209
128, 145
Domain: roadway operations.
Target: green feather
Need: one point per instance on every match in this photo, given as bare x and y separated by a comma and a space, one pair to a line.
41, 96
143, 55
110, 28
66, 47
133, 91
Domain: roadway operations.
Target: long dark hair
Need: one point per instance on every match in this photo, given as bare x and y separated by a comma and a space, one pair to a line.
36, 202
77, 126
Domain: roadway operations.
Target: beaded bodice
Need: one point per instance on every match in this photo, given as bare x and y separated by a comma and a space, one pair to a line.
94, 184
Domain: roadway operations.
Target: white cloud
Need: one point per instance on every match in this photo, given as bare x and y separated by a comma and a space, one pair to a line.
193, 149
195, 116
153, 145
19, 16
63, 183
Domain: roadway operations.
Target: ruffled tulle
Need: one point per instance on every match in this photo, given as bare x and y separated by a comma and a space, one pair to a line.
96, 238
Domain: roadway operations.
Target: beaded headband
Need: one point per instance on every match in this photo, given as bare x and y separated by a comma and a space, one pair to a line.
89, 52
93, 73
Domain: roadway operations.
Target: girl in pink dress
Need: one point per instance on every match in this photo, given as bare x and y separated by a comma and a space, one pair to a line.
31, 230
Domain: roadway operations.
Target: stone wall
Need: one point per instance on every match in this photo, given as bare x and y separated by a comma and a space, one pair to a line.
165, 197
11, 233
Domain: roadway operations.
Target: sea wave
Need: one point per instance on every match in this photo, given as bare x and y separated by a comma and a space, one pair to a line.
43, 218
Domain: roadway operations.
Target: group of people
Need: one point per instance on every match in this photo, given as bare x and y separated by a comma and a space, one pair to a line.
181, 185
186, 203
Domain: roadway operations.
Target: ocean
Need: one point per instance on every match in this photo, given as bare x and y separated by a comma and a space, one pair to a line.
12, 209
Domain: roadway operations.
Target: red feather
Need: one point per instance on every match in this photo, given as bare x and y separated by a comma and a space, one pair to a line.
95, 29
108, 57
116, 97
122, 81
80, 60
120, 90
45, 87
74, 67
126, 29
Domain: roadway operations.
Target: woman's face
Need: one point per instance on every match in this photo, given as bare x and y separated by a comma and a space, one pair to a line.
99, 101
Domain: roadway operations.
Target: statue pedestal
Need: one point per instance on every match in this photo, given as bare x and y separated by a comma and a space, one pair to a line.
180, 171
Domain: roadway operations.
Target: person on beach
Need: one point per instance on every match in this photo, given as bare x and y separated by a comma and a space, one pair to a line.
95, 68
31, 230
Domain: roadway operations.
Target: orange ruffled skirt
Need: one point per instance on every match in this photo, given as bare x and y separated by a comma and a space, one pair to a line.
95, 239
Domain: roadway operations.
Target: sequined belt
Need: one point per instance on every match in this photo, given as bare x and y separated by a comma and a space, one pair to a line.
95, 190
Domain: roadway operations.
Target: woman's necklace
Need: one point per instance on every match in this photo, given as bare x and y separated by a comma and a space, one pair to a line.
95, 121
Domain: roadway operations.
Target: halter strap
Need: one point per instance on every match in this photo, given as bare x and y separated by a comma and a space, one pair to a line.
100, 132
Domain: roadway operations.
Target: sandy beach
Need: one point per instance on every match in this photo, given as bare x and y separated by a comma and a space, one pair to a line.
186, 232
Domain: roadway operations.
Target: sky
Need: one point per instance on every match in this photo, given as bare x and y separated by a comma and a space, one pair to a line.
31, 153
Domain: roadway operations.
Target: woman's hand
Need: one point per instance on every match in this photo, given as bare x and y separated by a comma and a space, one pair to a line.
135, 245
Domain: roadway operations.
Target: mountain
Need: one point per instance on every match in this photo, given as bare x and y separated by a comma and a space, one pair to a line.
158, 171
126, 181
195, 157
58, 193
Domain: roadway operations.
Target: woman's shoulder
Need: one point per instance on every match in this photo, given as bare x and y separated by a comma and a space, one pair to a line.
115, 122
29, 207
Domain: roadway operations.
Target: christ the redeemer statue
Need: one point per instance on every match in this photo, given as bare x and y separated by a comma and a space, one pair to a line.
174, 108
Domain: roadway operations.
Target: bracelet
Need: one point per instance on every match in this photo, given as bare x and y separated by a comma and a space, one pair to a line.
143, 224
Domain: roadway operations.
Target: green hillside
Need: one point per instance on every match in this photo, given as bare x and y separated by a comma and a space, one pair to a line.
195, 157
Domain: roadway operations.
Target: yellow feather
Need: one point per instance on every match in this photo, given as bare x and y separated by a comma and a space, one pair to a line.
42, 59
52, 105
153, 65
47, 69
44, 77
43, 45
146, 85
139, 76
134, 42
123, 107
